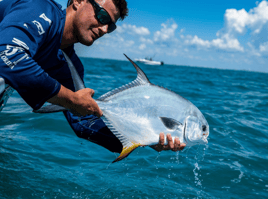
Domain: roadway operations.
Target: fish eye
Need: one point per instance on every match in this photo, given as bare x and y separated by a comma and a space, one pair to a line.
204, 128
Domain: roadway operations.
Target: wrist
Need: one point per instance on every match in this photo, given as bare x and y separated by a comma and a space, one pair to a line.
65, 98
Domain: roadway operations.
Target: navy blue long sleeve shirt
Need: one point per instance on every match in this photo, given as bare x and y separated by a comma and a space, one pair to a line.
30, 38
33, 64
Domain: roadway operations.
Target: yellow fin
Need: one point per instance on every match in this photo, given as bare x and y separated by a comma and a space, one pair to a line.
126, 151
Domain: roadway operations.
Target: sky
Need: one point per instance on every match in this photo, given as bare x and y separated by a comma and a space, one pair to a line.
230, 34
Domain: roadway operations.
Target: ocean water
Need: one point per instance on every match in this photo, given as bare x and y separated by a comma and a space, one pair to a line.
41, 157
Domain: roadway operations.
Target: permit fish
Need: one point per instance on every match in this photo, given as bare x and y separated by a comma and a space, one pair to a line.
137, 112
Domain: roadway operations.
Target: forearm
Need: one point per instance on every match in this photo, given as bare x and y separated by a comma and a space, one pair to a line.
79, 102
65, 98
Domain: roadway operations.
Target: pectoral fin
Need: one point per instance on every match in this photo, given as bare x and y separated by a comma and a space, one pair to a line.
126, 151
170, 123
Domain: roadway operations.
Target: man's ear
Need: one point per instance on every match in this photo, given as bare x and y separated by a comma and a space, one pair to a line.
77, 3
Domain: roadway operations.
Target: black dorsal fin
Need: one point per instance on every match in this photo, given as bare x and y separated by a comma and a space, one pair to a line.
140, 74
140, 80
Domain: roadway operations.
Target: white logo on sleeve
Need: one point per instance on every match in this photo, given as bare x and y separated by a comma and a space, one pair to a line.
39, 27
20, 43
43, 16
11, 50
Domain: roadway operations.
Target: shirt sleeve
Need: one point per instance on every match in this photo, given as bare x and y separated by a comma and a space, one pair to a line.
22, 32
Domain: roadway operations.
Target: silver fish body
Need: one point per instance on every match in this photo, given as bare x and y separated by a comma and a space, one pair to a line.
136, 113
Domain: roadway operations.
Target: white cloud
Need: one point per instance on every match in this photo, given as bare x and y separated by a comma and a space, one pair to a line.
167, 33
264, 47
142, 46
129, 43
227, 43
144, 40
238, 20
133, 30
198, 42
253, 50
224, 43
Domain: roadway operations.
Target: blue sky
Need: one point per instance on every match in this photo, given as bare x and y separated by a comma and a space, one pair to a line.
230, 34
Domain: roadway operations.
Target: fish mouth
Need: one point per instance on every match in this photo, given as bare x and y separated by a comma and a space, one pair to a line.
205, 136
184, 133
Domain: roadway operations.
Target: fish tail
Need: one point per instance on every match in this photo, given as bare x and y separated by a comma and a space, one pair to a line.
126, 151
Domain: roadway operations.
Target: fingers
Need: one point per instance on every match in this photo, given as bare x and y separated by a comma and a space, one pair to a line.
162, 139
84, 104
170, 144
90, 91
174, 146
160, 146
98, 113
94, 109
182, 146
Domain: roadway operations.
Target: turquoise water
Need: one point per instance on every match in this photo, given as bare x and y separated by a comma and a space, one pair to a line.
41, 157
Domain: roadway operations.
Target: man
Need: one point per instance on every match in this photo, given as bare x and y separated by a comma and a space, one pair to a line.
33, 34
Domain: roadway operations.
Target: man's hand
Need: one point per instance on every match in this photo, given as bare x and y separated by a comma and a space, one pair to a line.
84, 104
176, 146
80, 102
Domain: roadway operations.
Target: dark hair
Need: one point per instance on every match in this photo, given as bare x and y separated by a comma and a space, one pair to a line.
120, 4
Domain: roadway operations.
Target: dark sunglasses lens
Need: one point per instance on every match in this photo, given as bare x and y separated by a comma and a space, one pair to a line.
103, 17
111, 27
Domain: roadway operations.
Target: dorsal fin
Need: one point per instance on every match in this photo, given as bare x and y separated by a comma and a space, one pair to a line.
78, 83
140, 74
141, 79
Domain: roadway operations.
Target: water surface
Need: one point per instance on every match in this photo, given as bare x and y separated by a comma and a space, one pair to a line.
41, 157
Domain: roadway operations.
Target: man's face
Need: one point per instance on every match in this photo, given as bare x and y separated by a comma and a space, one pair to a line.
86, 26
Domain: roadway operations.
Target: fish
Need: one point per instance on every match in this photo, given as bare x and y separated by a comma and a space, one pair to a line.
137, 112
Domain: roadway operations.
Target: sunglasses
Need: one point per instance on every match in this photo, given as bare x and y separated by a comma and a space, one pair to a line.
103, 16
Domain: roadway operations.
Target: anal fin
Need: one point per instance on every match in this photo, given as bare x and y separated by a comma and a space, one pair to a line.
128, 145
126, 151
